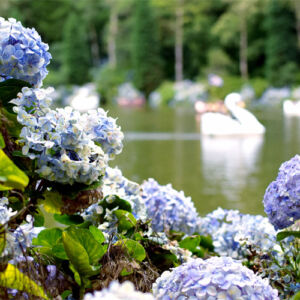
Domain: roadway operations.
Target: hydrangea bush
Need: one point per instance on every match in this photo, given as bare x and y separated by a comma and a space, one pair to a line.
214, 278
282, 197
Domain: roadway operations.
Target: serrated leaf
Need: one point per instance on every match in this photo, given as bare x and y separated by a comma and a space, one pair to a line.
53, 202
190, 243
283, 234
97, 234
11, 176
48, 237
126, 220
14, 279
68, 219
134, 248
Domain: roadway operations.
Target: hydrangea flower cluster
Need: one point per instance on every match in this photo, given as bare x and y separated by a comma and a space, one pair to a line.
168, 208
232, 232
117, 291
214, 278
23, 55
103, 130
5, 212
114, 183
65, 143
282, 197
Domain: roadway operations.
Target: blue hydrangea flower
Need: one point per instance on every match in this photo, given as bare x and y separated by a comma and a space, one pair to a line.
214, 278
23, 55
282, 197
62, 140
168, 208
233, 231
104, 131
117, 291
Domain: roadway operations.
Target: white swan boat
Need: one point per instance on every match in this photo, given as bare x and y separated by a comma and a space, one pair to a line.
241, 121
291, 108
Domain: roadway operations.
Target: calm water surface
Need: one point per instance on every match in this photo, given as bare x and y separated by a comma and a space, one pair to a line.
228, 172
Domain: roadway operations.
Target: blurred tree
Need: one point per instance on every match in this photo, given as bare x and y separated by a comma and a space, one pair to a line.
112, 33
95, 16
147, 64
76, 58
281, 43
232, 28
296, 6
179, 40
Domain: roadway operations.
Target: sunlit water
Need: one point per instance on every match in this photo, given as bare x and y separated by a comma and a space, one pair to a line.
227, 172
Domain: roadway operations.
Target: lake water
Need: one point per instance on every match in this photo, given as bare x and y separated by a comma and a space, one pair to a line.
231, 172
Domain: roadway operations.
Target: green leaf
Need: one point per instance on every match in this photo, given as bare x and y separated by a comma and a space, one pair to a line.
135, 249
66, 293
190, 243
53, 202
69, 219
11, 176
113, 201
59, 251
39, 219
126, 219
18, 154
78, 256
124, 272
2, 142
12, 278
97, 234
2, 239
9, 90
283, 234
297, 296
207, 242
48, 237
86, 239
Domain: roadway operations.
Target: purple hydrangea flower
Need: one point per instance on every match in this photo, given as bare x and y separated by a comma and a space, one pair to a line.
23, 55
117, 291
214, 278
168, 208
282, 197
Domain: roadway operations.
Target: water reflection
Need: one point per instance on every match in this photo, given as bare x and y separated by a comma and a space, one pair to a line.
227, 165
